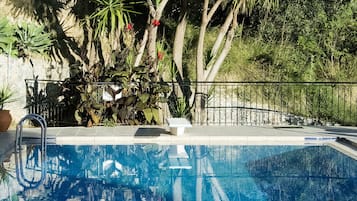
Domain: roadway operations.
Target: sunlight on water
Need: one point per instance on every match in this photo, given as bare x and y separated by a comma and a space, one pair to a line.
178, 172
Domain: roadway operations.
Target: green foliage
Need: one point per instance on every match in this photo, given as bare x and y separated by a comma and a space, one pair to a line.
139, 94
89, 110
81, 97
300, 41
109, 122
112, 15
165, 64
180, 108
7, 38
309, 40
32, 39
24, 40
6, 96
319, 102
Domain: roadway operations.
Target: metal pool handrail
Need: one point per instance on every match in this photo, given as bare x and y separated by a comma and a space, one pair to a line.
21, 178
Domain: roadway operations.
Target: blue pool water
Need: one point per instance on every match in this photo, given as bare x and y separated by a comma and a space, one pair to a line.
157, 172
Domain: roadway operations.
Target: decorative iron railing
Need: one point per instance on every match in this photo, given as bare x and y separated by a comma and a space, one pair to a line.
276, 103
225, 103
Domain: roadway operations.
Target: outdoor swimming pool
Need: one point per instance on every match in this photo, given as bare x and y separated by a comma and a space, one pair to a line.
160, 172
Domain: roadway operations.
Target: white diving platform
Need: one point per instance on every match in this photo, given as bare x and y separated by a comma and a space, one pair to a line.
178, 125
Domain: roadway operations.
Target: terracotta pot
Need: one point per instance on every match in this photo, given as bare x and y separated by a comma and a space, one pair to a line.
5, 120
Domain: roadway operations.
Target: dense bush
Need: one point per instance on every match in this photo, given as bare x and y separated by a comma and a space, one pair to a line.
135, 100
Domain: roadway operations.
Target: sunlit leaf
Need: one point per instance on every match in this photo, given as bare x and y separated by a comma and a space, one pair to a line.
155, 113
148, 114
94, 117
144, 97
78, 117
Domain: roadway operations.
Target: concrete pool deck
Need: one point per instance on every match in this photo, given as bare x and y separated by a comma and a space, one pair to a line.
342, 138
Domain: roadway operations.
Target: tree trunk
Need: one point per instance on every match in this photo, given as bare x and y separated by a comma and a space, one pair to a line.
206, 17
200, 66
151, 46
140, 54
179, 43
222, 33
180, 40
155, 14
227, 46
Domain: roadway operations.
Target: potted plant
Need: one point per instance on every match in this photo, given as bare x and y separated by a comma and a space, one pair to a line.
5, 116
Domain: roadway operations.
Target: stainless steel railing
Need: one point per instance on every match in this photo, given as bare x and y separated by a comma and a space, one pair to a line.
20, 173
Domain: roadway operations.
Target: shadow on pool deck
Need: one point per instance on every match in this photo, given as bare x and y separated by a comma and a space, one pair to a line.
150, 132
342, 131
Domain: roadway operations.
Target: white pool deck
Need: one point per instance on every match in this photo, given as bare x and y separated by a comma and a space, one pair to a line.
232, 135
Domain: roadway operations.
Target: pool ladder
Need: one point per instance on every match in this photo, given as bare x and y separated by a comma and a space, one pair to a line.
21, 177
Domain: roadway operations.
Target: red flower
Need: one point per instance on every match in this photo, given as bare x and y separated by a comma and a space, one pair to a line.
156, 23
129, 27
160, 55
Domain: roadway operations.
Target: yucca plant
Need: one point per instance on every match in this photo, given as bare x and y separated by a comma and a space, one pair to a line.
32, 39
7, 38
110, 19
112, 15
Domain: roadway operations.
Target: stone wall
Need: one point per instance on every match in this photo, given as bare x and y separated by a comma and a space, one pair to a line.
14, 71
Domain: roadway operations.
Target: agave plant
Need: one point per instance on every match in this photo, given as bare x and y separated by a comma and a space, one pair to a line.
5, 96
7, 38
32, 39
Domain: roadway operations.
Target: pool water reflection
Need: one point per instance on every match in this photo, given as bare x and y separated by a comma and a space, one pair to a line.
158, 172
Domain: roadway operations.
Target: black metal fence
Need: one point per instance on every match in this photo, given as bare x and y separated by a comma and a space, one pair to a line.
276, 103
227, 103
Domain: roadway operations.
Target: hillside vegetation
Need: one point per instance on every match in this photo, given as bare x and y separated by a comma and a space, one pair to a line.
300, 41
296, 41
